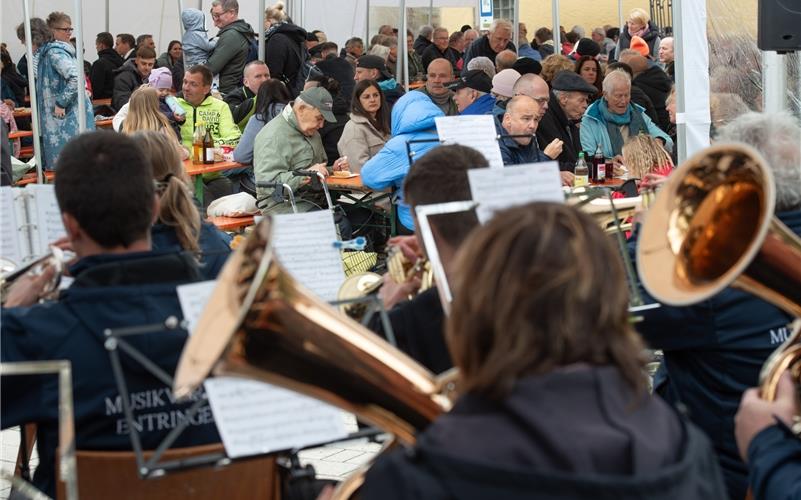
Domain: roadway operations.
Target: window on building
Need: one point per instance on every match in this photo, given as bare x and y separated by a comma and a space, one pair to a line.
503, 9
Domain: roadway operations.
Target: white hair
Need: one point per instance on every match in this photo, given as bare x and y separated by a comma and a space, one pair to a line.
777, 137
500, 23
614, 78
482, 63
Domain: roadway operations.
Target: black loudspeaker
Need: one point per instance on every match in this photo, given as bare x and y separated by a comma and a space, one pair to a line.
779, 25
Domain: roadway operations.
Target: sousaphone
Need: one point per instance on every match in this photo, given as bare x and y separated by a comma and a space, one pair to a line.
712, 226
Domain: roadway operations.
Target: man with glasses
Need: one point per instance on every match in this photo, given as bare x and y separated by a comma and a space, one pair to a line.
440, 50
230, 55
497, 40
534, 86
568, 103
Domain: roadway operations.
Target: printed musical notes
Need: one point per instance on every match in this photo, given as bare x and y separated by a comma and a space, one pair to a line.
10, 243
193, 298
31, 221
496, 189
48, 216
475, 131
304, 246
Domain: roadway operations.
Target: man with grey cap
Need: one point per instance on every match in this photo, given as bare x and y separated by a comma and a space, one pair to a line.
289, 142
372, 67
569, 100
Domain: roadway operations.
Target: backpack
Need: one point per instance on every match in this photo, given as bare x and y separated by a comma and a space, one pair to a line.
305, 70
253, 50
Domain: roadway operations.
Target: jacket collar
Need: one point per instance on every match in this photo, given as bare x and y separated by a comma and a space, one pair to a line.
134, 268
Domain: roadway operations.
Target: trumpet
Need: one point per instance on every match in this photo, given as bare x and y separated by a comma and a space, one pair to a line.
10, 273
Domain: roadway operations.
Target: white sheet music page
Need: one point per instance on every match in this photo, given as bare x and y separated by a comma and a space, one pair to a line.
12, 239
304, 244
475, 131
254, 417
47, 216
497, 189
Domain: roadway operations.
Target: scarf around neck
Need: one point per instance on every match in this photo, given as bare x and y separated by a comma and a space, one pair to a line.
631, 117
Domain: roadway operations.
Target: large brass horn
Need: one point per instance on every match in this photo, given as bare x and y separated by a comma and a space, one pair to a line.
712, 226
260, 323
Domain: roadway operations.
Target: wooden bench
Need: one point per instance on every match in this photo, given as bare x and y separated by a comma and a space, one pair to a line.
231, 223
19, 134
31, 178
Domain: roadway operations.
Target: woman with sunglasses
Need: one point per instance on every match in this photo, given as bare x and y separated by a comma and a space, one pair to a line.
57, 85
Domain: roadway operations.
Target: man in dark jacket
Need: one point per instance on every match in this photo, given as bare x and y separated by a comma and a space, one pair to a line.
713, 351
423, 39
102, 74
490, 45
653, 81
566, 107
131, 75
440, 50
520, 119
242, 101
285, 54
231, 52
118, 282
340, 70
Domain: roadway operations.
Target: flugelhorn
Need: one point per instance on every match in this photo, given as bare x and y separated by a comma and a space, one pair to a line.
712, 226
10, 272
260, 323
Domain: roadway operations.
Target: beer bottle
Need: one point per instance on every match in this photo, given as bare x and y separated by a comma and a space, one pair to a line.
581, 173
197, 143
208, 147
599, 167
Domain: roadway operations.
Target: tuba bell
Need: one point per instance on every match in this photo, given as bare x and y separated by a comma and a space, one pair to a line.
712, 226
261, 324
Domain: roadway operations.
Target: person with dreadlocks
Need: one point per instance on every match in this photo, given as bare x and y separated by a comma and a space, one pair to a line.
647, 160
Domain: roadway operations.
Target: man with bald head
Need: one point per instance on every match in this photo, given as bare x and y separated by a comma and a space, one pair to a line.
667, 56
505, 60
490, 45
242, 101
439, 73
652, 80
535, 87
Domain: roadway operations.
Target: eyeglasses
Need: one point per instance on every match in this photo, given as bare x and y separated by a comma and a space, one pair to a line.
68, 30
217, 16
538, 100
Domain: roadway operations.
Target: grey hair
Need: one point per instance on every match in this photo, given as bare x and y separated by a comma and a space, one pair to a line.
777, 137
599, 31
40, 33
482, 63
578, 30
615, 77
426, 31
227, 5
500, 23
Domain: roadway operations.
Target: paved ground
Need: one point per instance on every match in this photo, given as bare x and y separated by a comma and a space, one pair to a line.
335, 461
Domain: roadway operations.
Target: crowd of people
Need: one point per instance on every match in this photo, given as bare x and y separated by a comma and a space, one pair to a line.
554, 393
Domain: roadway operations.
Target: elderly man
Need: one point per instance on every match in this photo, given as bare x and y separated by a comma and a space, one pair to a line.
472, 93
498, 39
713, 351
200, 106
650, 78
535, 87
607, 45
131, 75
233, 40
440, 50
440, 72
470, 36
242, 101
354, 49
505, 60
372, 67
568, 102
667, 57
609, 121
423, 39
289, 142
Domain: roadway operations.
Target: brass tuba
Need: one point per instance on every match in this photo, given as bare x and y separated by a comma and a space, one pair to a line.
260, 323
712, 226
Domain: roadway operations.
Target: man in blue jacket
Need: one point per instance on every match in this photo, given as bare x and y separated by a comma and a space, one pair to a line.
713, 351
412, 119
118, 282
472, 93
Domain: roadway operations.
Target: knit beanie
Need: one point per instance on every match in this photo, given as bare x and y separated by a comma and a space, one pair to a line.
160, 78
503, 82
638, 44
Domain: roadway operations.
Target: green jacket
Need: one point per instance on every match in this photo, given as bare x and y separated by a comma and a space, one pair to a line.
230, 55
213, 112
280, 148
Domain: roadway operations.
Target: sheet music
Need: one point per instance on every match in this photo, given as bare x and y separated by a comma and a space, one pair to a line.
47, 217
497, 189
193, 298
11, 241
253, 417
475, 131
304, 246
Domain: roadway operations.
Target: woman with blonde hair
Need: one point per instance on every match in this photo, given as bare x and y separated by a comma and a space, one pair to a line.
553, 400
283, 42
639, 24
144, 114
644, 155
179, 226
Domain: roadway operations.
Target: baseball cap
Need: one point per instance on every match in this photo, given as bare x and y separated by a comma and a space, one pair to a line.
320, 99
371, 61
475, 79
570, 81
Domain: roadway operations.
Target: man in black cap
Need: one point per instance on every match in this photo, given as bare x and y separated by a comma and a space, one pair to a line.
372, 67
569, 100
586, 47
472, 93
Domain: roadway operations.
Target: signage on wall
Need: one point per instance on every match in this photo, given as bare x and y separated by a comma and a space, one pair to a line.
485, 14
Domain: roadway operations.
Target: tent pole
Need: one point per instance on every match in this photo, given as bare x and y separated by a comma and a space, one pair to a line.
108, 15
262, 41
557, 43
774, 82
180, 13
37, 143
516, 25
402, 49
620, 14
81, 74
430, 11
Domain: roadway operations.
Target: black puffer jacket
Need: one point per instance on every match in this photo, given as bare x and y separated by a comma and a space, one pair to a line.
102, 73
285, 51
656, 84
126, 79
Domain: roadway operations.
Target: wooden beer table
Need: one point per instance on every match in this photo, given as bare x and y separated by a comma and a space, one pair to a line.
196, 173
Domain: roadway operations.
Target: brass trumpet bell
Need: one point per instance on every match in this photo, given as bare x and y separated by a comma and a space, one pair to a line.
260, 323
